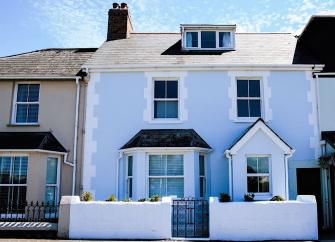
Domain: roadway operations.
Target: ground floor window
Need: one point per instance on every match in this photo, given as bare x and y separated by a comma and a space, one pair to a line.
13, 179
130, 177
202, 175
166, 175
51, 188
258, 174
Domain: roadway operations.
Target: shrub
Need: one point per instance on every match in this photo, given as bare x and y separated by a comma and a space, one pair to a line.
277, 198
142, 199
111, 198
248, 197
126, 200
155, 198
86, 197
224, 197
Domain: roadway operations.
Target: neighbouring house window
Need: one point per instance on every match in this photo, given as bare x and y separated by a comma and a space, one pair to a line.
191, 39
130, 177
248, 98
27, 103
166, 175
166, 99
225, 39
258, 174
51, 189
13, 179
208, 39
202, 176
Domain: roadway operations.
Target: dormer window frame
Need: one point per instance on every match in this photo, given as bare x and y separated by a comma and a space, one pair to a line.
217, 29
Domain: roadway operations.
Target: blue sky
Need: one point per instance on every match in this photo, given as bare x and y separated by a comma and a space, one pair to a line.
35, 24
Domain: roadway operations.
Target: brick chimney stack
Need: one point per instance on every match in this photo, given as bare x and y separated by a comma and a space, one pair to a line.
119, 22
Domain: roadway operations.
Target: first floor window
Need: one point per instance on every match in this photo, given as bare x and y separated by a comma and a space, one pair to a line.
13, 179
166, 175
51, 188
202, 176
258, 174
130, 177
166, 99
27, 103
248, 98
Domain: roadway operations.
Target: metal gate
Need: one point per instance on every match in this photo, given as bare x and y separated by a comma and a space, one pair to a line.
190, 218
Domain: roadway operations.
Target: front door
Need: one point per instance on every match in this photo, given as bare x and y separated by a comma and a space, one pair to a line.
309, 183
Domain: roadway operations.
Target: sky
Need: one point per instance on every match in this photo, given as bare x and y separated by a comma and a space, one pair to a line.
27, 25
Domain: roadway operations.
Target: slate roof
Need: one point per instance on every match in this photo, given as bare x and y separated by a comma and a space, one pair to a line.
250, 127
30, 140
166, 138
165, 48
46, 62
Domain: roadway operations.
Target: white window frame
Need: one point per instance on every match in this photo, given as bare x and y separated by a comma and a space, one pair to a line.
164, 177
203, 177
12, 157
15, 103
250, 98
259, 194
129, 178
165, 99
58, 178
232, 40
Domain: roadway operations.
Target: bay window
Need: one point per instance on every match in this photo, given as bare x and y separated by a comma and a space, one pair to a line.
166, 175
51, 188
130, 177
202, 175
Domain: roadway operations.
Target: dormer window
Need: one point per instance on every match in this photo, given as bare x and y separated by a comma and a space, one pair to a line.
208, 37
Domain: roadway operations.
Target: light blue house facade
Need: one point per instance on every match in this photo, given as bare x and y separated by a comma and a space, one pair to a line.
198, 113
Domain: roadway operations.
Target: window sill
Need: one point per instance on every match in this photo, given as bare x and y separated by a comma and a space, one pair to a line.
246, 120
165, 121
23, 125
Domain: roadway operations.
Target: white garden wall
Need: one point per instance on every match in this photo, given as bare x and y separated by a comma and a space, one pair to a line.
120, 220
264, 220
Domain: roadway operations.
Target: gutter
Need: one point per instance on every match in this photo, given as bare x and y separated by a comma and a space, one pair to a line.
229, 156
16, 77
286, 157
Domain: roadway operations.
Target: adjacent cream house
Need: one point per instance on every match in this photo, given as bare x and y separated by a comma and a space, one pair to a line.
41, 120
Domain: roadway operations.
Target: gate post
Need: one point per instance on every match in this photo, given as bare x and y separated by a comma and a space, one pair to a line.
65, 215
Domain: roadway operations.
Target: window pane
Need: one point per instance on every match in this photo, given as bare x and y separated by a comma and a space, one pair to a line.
263, 165
252, 165
202, 187
255, 108
208, 39
157, 186
5, 164
242, 108
21, 113
130, 165
171, 109
202, 165
24, 170
13, 194
224, 39
16, 170
172, 89
34, 90
50, 194
157, 165
22, 92
263, 183
175, 165
242, 88
159, 89
254, 89
130, 187
32, 113
159, 109
175, 186
52, 171
252, 184
191, 39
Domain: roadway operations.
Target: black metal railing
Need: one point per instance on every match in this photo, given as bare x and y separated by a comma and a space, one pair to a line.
28, 212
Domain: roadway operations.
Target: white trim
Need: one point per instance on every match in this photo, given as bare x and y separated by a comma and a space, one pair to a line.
166, 150
32, 150
199, 67
149, 96
267, 131
266, 111
15, 103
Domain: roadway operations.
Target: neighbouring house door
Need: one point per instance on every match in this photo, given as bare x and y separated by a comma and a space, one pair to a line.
309, 183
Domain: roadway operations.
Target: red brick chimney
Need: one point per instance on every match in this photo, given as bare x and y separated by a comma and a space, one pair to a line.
119, 22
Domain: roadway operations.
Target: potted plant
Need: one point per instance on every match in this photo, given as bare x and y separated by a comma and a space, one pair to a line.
86, 197
224, 197
155, 198
111, 198
277, 198
249, 197
142, 200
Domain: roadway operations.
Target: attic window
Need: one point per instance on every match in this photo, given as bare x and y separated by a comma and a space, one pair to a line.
208, 37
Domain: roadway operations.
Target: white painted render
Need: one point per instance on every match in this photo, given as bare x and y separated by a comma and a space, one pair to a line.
326, 103
258, 221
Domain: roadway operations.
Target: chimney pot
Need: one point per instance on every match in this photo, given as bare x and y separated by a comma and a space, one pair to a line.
124, 5
115, 5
